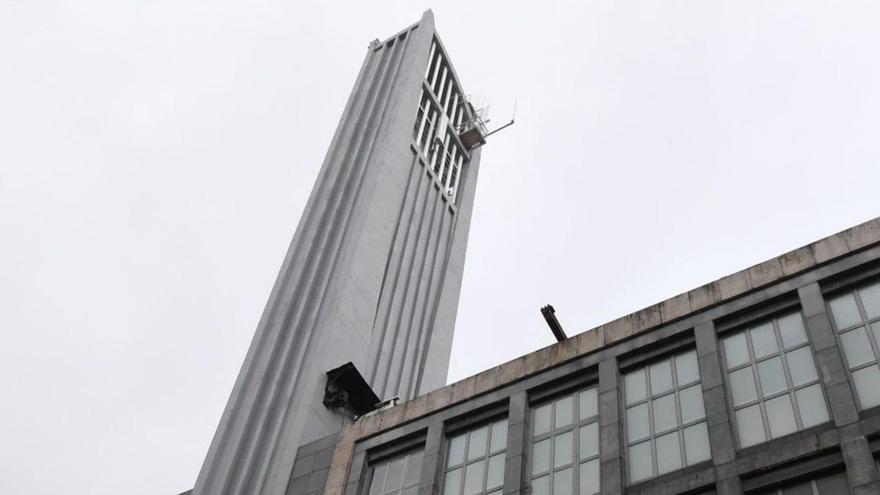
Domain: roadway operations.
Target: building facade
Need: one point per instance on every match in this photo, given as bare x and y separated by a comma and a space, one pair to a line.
371, 281
766, 381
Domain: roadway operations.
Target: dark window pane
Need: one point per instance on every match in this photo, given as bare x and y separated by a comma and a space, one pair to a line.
564, 412
634, 386
499, 436
791, 328
541, 456
736, 351
477, 443
856, 347
763, 340
845, 311
563, 448
473, 479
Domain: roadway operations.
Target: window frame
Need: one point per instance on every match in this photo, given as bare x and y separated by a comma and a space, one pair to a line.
781, 353
464, 429
866, 323
669, 353
550, 397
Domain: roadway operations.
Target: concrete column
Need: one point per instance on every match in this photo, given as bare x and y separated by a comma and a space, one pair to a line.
828, 358
517, 437
610, 429
861, 471
432, 460
721, 441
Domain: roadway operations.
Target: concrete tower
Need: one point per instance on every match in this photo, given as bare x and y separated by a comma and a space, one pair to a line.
373, 273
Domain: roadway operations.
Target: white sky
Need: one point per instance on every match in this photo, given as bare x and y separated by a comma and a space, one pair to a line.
155, 157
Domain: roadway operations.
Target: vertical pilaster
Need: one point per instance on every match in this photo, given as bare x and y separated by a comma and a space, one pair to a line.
721, 440
828, 358
432, 460
861, 471
610, 430
517, 436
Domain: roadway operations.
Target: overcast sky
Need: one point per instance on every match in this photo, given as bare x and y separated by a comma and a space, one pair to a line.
155, 157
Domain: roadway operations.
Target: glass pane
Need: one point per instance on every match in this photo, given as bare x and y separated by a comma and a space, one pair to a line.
866, 380
541, 456
590, 477
640, 462
413, 468
456, 451
845, 311
691, 400
772, 376
801, 367
791, 328
781, 416
542, 420
811, 405
856, 347
589, 440
750, 426
564, 412
661, 377
589, 403
871, 300
495, 476
473, 478
394, 478
736, 351
696, 443
742, 386
563, 482
378, 482
477, 443
634, 386
637, 422
413, 490
686, 368
669, 453
452, 482
498, 439
563, 449
664, 413
541, 486
763, 340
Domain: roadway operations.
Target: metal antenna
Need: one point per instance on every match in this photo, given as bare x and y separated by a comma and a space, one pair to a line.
512, 121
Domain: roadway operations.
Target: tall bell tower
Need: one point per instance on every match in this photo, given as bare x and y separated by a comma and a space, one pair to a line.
370, 284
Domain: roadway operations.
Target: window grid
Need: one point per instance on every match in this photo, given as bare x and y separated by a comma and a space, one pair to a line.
397, 476
440, 113
475, 461
852, 335
582, 428
783, 353
650, 438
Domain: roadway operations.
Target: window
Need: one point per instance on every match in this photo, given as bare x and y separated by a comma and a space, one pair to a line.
830, 484
857, 320
665, 419
565, 445
438, 119
475, 461
772, 380
397, 476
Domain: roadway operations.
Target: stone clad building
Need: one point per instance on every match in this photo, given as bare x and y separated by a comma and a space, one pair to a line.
766, 381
